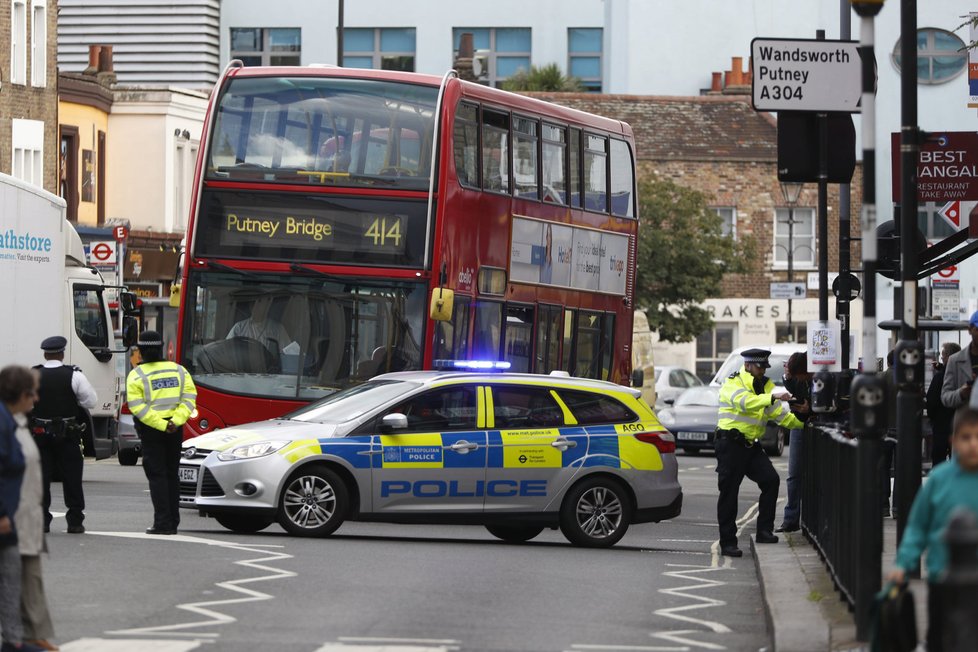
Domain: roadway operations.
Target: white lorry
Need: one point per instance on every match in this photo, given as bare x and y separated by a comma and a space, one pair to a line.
48, 289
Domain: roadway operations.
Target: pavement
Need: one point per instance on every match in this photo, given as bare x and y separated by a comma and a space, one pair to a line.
804, 611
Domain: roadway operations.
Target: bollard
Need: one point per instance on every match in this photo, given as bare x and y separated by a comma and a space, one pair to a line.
959, 586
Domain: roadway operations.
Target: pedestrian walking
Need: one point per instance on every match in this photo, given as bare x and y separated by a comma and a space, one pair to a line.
948, 487
58, 423
18, 391
748, 400
30, 539
940, 415
798, 381
961, 370
161, 396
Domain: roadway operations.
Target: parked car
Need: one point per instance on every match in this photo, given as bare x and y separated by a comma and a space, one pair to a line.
670, 382
692, 419
774, 437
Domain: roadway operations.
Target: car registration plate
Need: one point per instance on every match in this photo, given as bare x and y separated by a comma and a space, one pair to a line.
188, 474
693, 436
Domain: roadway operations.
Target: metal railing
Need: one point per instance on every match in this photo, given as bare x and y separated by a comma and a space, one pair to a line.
841, 512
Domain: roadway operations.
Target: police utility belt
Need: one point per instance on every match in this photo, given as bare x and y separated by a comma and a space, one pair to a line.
735, 436
56, 430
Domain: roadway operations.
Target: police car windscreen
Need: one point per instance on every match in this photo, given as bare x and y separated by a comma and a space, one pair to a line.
351, 403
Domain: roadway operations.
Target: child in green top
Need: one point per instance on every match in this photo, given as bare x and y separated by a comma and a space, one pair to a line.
949, 486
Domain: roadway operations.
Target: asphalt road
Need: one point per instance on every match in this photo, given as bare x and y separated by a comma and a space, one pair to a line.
396, 588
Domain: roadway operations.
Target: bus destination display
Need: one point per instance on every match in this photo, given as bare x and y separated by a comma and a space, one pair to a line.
311, 228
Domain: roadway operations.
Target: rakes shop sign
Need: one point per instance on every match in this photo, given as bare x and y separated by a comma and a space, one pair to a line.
947, 169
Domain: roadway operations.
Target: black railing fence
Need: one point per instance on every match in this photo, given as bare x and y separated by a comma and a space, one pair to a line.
841, 512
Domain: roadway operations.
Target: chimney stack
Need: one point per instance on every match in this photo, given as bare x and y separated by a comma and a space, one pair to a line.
93, 57
106, 72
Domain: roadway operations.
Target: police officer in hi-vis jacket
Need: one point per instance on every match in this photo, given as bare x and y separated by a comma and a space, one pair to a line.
161, 396
747, 402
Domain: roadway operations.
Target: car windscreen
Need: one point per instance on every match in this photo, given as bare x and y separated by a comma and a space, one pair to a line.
353, 402
706, 396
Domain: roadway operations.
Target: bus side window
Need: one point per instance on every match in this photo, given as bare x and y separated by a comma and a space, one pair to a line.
495, 151
525, 168
567, 360
596, 173
466, 145
574, 175
548, 340
485, 338
519, 337
452, 337
554, 164
622, 179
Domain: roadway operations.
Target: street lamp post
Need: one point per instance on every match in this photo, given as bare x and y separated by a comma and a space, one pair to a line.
791, 191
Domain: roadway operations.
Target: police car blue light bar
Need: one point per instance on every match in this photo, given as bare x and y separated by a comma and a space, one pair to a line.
499, 365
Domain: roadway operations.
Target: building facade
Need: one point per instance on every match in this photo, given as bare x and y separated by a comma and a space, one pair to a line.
29, 91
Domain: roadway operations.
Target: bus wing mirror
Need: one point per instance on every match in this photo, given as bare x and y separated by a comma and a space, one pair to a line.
128, 302
175, 295
638, 377
442, 302
130, 330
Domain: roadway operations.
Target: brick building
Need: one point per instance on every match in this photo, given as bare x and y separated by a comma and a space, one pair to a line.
717, 144
29, 92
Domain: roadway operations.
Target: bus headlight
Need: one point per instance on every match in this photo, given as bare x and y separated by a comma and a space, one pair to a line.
250, 451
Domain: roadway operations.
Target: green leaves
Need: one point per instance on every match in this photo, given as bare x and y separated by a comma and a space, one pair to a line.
682, 257
542, 78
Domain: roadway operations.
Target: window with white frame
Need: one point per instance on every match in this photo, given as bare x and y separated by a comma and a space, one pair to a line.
381, 48
39, 43
729, 216
27, 163
272, 46
506, 50
712, 348
18, 42
941, 55
797, 237
584, 56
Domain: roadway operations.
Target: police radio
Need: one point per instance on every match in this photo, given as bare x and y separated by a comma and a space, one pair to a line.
868, 416
823, 391
908, 363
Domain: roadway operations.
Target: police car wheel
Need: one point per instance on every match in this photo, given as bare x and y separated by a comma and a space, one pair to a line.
243, 523
514, 533
313, 503
595, 513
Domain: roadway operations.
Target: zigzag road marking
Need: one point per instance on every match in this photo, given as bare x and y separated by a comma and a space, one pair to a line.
213, 617
692, 574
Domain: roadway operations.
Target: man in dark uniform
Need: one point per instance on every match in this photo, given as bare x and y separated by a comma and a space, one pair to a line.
58, 423
747, 402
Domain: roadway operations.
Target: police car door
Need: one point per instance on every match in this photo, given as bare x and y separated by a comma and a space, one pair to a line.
531, 448
437, 463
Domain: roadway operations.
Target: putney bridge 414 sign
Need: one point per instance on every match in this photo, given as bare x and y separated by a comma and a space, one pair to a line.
805, 75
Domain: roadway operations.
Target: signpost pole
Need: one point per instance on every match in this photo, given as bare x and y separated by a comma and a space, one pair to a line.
823, 209
845, 228
907, 480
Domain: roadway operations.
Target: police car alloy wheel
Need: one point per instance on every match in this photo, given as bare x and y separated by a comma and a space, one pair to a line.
243, 523
596, 513
314, 502
514, 533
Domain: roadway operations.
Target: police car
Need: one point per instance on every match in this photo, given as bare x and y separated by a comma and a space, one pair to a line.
516, 453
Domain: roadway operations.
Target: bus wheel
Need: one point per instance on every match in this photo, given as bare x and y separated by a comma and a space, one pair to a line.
595, 513
244, 523
514, 533
313, 503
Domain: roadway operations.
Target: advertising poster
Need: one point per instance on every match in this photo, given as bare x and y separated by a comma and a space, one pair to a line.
823, 345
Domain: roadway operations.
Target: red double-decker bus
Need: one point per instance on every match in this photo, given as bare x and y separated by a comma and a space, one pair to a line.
351, 222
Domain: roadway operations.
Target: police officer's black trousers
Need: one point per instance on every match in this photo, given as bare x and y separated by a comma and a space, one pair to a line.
65, 456
734, 461
161, 463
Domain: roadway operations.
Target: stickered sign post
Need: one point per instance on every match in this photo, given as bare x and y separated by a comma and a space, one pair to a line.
565, 256
823, 345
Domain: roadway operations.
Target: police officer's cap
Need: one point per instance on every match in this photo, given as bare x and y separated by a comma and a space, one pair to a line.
149, 339
756, 356
54, 344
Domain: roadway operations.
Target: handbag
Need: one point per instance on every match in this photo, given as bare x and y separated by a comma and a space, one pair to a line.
894, 619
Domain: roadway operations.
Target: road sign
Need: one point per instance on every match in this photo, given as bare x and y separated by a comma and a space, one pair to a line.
854, 286
102, 252
806, 75
947, 168
788, 291
120, 233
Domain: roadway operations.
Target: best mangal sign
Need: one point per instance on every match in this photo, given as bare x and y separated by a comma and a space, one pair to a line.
947, 169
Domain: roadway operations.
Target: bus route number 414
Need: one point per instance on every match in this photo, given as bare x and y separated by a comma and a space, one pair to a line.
384, 232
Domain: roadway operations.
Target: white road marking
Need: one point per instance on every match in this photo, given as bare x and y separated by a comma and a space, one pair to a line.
384, 644
628, 647
687, 540
213, 616
384, 639
127, 645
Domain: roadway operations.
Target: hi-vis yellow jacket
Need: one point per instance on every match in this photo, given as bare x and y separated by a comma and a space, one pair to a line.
158, 392
743, 410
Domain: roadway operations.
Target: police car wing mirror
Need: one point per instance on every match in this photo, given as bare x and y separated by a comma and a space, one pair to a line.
393, 421
638, 377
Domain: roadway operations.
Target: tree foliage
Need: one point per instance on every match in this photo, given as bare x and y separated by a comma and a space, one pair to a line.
682, 257
543, 78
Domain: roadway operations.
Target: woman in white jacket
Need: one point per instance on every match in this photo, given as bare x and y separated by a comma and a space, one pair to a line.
30, 538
